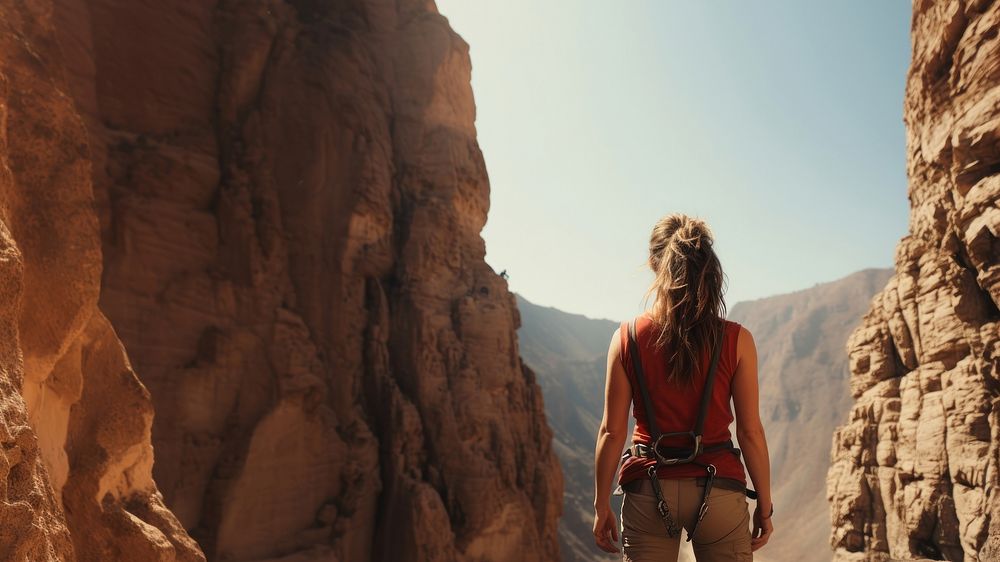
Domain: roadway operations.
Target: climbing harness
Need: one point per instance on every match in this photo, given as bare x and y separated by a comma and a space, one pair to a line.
668, 456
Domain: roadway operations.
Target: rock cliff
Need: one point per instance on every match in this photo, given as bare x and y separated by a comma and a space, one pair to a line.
915, 468
75, 422
276, 206
293, 197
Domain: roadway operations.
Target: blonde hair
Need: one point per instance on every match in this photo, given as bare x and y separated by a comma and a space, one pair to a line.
688, 307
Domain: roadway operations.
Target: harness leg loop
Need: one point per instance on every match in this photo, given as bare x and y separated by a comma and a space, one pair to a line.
703, 509
661, 504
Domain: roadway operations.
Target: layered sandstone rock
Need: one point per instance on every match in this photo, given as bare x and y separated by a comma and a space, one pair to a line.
915, 469
291, 196
75, 422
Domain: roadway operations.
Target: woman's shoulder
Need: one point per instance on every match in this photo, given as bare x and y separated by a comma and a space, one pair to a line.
735, 326
643, 322
739, 333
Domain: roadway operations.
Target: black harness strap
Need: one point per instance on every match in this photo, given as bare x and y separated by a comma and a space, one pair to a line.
655, 452
706, 395
647, 403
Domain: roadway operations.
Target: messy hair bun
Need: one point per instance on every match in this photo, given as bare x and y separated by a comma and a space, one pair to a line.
688, 303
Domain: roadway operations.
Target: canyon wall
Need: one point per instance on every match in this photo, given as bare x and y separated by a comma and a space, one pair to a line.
276, 206
291, 196
915, 468
75, 422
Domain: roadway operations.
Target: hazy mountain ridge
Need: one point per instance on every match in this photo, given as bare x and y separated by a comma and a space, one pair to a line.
801, 339
802, 358
568, 353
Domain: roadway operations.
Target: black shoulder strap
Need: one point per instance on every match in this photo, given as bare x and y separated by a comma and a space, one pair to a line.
706, 395
640, 377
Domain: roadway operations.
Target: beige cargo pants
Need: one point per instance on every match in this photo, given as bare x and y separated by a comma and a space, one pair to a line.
723, 535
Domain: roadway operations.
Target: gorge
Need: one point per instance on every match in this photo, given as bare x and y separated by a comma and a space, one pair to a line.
246, 314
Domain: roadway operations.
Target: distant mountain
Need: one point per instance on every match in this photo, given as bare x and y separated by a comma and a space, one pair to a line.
568, 353
801, 339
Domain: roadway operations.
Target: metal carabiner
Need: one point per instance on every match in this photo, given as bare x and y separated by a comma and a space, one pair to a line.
677, 460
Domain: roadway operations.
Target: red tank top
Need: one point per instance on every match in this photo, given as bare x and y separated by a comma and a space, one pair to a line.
676, 404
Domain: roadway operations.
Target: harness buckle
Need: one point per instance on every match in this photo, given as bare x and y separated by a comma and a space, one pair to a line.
677, 460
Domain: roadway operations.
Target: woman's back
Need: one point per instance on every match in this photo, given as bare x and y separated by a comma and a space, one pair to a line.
677, 403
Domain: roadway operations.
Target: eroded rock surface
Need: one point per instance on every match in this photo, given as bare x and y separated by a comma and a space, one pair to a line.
915, 469
76, 460
291, 196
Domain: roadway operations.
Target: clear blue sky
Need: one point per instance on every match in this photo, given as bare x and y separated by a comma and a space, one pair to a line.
780, 123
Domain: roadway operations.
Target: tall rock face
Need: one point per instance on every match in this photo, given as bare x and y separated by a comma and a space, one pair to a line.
76, 460
290, 197
915, 468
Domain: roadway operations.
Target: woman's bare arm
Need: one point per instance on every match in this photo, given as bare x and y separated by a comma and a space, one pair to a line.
610, 442
750, 433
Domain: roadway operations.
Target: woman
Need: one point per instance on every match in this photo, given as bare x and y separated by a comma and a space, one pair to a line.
681, 344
